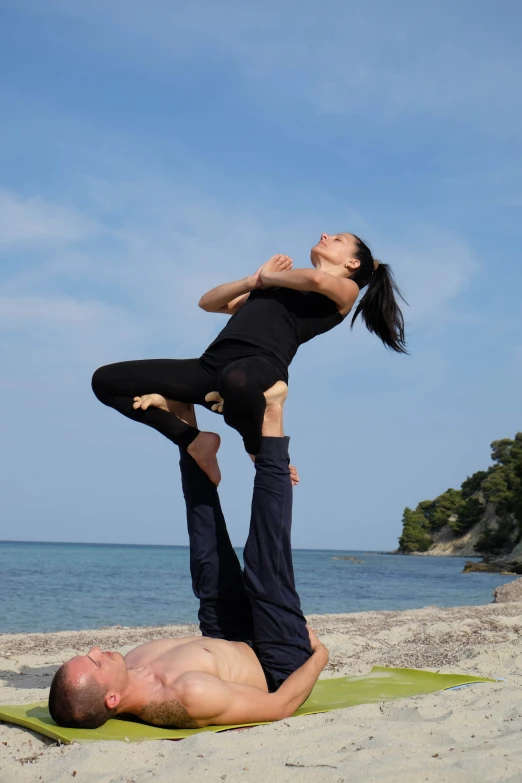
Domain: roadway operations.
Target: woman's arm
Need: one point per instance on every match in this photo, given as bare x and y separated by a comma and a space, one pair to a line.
229, 297
340, 290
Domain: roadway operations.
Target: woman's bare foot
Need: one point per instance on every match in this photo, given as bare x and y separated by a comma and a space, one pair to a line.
203, 451
217, 399
154, 400
183, 410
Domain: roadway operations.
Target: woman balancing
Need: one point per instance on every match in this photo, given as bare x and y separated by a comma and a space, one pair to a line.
273, 312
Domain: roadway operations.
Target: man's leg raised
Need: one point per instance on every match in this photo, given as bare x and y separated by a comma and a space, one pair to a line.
281, 639
217, 579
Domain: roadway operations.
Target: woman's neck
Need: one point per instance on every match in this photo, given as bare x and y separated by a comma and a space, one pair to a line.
332, 269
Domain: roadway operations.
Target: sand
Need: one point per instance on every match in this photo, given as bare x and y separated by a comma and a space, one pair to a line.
466, 735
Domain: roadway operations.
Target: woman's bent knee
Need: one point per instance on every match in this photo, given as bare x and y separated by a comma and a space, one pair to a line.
234, 383
99, 382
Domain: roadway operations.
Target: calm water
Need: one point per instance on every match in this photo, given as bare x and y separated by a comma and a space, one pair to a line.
51, 587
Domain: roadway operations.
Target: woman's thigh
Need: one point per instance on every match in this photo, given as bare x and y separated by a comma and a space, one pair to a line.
184, 380
251, 376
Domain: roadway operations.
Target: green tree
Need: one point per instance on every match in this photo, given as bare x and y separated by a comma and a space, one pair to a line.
414, 535
504, 483
497, 489
473, 483
469, 515
447, 508
461, 509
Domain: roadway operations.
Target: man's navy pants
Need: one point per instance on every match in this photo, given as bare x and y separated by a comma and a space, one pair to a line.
259, 605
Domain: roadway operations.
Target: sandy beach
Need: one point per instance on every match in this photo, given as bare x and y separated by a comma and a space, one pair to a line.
471, 734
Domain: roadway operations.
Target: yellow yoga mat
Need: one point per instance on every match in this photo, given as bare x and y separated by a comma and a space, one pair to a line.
381, 684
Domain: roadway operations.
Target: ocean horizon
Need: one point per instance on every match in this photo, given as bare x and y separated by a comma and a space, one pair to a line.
52, 586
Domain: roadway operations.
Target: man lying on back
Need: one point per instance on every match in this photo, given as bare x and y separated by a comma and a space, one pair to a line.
256, 660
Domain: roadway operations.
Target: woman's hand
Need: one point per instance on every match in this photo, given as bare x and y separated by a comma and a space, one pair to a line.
256, 279
278, 263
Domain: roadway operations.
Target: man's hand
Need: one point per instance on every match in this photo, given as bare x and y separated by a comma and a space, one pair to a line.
315, 644
278, 263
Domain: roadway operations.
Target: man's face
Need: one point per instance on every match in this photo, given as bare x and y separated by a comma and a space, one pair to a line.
107, 668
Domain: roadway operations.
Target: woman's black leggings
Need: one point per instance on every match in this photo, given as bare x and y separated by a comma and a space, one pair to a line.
240, 372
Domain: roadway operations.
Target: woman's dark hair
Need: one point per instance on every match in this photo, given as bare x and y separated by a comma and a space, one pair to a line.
378, 307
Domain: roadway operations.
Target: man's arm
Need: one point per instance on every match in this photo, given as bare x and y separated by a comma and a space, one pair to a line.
340, 290
297, 688
167, 713
205, 700
208, 700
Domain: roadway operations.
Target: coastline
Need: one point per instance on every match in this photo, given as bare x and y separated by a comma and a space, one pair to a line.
454, 735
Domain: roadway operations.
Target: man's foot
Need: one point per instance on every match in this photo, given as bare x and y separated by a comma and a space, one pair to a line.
273, 418
203, 451
276, 395
275, 398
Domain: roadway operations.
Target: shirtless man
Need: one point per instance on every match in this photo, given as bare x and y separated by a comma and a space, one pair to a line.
256, 659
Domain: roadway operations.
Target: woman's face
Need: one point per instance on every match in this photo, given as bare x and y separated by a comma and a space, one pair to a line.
334, 249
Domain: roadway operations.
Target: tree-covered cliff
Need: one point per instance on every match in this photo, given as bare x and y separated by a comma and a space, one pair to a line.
498, 488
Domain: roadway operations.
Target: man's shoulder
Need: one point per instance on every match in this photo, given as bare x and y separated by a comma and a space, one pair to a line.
191, 683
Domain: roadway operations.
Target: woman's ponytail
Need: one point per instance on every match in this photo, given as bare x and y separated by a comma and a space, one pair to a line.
378, 307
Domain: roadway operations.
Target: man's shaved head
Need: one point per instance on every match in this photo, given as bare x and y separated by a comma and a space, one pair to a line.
77, 704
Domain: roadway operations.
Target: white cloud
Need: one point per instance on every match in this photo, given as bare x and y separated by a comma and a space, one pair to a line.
34, 220
37, 312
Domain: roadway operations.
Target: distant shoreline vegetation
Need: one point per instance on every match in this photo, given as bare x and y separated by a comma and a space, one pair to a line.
492, 497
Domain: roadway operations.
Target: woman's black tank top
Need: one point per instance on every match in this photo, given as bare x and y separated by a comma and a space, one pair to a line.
279, 320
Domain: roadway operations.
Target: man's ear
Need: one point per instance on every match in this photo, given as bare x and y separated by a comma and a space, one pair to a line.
112, 700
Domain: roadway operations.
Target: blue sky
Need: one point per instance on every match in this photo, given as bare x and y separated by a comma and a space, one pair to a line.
149, 151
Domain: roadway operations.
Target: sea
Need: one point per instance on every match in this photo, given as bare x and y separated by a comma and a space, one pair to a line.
53, 587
